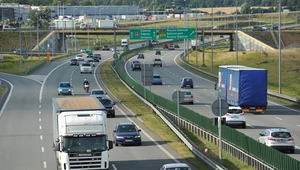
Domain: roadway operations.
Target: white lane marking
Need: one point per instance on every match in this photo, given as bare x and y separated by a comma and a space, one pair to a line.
44, 82
150, 138
285, 107
45, 164
41, 137
8, 97
205, 89
43, 150
298, 125
197, 101
189, 71
250, 126
212, 92
40, 106
174, 89
40, 127
40, 119
72, 75
113, 165
40, 112
207, 105
278, 118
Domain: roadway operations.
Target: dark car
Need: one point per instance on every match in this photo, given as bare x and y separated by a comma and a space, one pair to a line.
97, 57
187, 82
135, 61
109, 106
157, 52
136, 66
106, 47
176, 46
74, 62
127, 133
20, 50
141, 56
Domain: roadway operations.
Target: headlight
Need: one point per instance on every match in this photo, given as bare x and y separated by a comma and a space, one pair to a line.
69, 89
119, 137
139, 136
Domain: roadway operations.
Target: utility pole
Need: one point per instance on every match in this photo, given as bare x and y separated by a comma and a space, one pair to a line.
236, 35
279, 46
37, 34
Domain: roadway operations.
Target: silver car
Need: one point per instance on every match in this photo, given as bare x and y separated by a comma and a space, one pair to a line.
188, 98
99, 93
175, 166
280, 139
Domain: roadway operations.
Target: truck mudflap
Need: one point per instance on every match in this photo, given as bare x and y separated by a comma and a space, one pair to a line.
254, 109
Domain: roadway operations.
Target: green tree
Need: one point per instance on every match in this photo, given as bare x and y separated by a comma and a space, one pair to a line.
245, 8
39, 17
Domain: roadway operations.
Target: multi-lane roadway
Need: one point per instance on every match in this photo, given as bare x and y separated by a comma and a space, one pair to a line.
276, 115
26, 123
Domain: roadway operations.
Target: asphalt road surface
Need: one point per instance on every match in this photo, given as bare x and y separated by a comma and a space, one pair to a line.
276, 115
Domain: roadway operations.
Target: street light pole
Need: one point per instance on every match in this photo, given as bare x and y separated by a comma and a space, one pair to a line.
279, 45
197, 38
236, 35
37, 34
212, 40
20, 40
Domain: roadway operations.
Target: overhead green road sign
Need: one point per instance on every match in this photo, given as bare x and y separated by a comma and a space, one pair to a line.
177, 33
143, 34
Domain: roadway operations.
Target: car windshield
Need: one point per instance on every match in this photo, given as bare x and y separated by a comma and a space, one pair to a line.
235, 111
105, 101
157, 59
187, 92
74, 60
98, 92
182, 168
64, 85
188, 80
281, 134
86, 64
156, 77
84, 144
126, 128
135, 62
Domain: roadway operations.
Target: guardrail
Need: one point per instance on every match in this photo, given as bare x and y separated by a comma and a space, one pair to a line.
281, 96
176, 130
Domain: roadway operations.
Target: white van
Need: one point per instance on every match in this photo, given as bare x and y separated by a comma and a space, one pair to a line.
124, 42
9, 28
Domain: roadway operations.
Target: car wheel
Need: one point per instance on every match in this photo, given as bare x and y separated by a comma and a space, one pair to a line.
132, 69
80, 72
192, 87
116, 144
191, 102
160, 65
160, 83
90, 72
244, 126
113, 115
292, 150
59, 94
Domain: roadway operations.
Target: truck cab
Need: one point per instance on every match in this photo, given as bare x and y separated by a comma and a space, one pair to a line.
124, 42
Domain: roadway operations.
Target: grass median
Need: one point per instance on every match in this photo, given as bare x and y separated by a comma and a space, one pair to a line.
2, 90
156, 125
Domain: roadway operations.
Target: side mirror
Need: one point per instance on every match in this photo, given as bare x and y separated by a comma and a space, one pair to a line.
56, 147
261, 134
114, 131
71, 86
110, 145
139, 130
114, 103
56, 140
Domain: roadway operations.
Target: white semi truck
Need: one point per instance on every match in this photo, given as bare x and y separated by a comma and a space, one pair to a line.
80, 134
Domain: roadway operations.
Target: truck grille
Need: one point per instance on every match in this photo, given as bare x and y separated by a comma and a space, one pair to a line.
85, 161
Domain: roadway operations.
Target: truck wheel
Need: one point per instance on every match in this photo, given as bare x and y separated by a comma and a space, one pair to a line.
160, 65
192, 87
244, 126
113, 115
90, 72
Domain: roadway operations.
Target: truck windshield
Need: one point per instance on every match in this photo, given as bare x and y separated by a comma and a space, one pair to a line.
84, 144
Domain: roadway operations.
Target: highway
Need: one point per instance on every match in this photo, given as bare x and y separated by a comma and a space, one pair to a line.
26, 123
204, 95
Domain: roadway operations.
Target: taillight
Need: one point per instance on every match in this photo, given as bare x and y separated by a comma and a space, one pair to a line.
291, 139
270, 138
242, 114
227, 114
192, 96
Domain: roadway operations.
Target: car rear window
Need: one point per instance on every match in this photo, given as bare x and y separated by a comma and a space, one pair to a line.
157, 59
86, 64
64, 85
188, 80
98, 92
156, 77
105, 101
181, 168
74, 60
187, 93
235, 111
281, 134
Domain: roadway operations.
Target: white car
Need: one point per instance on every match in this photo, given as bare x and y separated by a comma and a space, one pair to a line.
113, 50
175, 166
280, 139
99, 93
86, 68
235, 117
79, 57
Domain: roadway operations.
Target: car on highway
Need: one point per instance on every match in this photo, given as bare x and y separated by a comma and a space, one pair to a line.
235, 117
105, 47
175, 166
157, 52
165, 46
187, 82
83, 50
79, 57
64, 88
97, 57
8, 28
188, 97
277, 138
157, 62
20, 50
157, 79
117, 50
86, 67
91, 61
127, 134
99, 94
141, 56
134, 61
109, 106
256, 28
154, 41
74, 61
171, 47
176, 46
143, 44
136, 66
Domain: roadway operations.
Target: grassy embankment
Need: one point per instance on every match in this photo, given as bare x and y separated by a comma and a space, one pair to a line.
156, 125
2, 90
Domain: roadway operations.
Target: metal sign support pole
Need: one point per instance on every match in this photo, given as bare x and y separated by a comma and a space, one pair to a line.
178, 107
219, 127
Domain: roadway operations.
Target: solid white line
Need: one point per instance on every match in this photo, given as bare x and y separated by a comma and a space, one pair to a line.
44, 82
278, 118
41, 137
40, 119
113, 165
207, 105
175, 89
43, 149
45, 164
150, 138
40, 127
8, 97
250, 126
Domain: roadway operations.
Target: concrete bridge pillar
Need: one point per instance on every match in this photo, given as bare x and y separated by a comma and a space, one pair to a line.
231, 42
